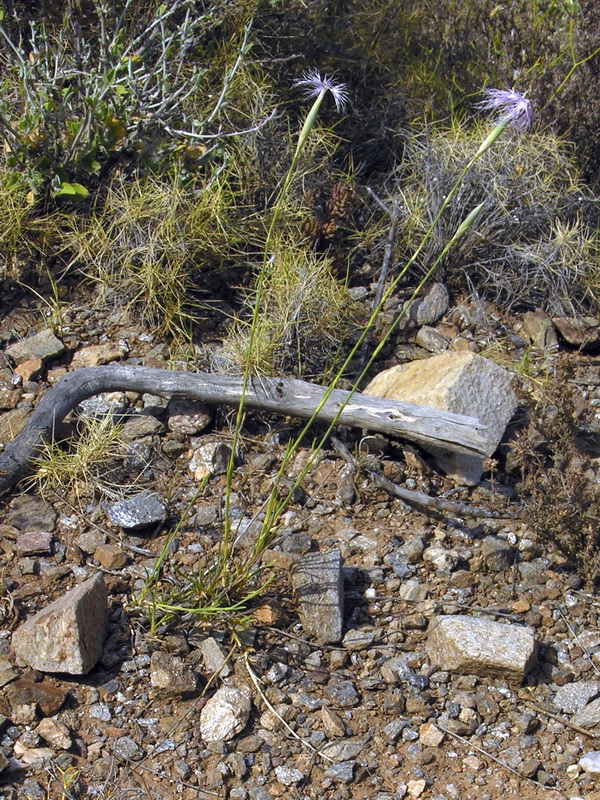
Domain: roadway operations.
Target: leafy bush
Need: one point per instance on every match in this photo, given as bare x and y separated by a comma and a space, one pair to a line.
121, 83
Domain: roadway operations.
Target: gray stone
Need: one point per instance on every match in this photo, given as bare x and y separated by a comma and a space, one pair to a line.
341, 694
68, 635
138, 512
288, 776
588, 716
590, 763
209, 458
573, 697
42, 345
343, 751
431, 339
342, 772
432, 307
188, 417
127, 750
497, 554
225, 714
108, 404
463, 383
481, 647
141, 425
170, 676
215, 657
358, 640
318, 583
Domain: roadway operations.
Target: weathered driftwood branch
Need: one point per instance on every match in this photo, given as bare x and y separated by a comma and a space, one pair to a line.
427, 426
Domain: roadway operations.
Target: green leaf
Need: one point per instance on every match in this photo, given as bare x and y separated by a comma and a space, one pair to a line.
73, 190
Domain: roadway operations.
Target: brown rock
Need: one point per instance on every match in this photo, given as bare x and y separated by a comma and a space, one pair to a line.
34, 542
12, 423
582, 332
45, 695
97, 354
110, 556
30, 370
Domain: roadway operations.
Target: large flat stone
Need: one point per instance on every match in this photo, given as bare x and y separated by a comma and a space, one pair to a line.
463, 383
319, 587
43, 345
67, 635
481, 647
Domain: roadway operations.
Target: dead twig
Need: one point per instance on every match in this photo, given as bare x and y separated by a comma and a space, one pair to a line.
418, 500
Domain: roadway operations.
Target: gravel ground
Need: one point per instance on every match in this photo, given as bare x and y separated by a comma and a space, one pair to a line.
368, 717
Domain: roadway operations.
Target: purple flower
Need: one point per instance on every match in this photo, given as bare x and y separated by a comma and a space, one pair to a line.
314, 86
513, 107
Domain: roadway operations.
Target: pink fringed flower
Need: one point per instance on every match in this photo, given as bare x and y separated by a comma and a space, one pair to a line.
512, 107
314, 85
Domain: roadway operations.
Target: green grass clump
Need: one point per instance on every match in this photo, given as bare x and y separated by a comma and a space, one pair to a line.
150, 243
80, 465
536, 243
305, 316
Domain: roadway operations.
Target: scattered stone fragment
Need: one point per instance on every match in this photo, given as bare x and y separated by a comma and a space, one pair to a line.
170, 676
464, 383
31, 513
342, 772
341, 694
332, 722
432, 307
430, 735
358, 640
141, 425
9, 396
44, 695
110, 556
574, 696
96, 354
441, 558
318, 583
12, 423
30, 370
55, 733
588, 716
481, 647
431, 340
127, 750
590, 763
225, 714
343, 751
288, 776
538, 330
138, 512
42, 345
66, 636
215, 658
497, 553
188, 417
209, 458
108, 404
417, 787
582, 332
34, 542
30, 755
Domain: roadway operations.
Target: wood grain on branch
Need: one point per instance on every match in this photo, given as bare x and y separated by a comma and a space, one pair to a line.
286, 396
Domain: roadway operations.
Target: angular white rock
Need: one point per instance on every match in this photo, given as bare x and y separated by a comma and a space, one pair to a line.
225, 714
481, 647
463, 383
590, 763
67, 635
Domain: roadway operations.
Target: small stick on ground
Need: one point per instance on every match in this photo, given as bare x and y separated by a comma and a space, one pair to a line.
418, 500
566, 723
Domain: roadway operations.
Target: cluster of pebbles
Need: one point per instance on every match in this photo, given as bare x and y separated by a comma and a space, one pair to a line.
385, 712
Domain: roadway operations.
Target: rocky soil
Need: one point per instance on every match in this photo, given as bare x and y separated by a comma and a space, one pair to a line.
398, 651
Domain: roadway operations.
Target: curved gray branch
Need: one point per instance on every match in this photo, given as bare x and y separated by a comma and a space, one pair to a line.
426, 426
